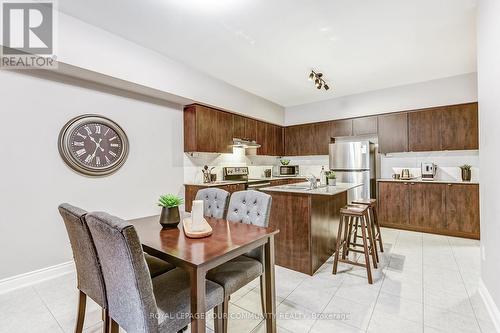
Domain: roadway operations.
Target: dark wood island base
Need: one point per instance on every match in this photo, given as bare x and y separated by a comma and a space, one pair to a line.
308, 227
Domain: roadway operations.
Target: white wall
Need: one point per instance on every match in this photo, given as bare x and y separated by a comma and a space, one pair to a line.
489, 121
453, 90
34, 180
95, 49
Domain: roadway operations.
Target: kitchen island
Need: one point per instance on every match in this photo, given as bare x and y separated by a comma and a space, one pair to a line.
308, 221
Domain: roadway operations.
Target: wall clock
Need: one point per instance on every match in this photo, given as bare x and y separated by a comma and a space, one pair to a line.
93, 145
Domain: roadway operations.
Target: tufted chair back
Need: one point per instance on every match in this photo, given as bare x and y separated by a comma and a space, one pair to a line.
215, 202
250, 207
88, 270
129, 289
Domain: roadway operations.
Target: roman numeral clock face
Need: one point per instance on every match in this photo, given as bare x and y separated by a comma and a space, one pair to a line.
93, 145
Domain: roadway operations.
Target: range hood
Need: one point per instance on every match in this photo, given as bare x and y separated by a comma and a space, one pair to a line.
244, 143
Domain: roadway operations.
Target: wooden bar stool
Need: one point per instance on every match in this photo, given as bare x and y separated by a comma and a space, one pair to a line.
372, 207
350, 215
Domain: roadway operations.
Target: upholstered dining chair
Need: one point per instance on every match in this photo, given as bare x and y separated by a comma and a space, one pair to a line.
215, 202
250, 207
137, 303
89, 275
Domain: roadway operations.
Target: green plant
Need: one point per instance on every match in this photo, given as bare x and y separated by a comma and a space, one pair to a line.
466, 167
331, 175
169, 201
285, 161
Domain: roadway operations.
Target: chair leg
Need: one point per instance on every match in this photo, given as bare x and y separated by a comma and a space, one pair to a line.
80, 314
371, 240
225, 314
338, 245
105, 319
113, 326
218, 322
375, 221
365, 246
263, 293
347, 237
374, 233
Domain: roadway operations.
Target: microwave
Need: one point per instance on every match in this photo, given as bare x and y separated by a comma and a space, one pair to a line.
288, 170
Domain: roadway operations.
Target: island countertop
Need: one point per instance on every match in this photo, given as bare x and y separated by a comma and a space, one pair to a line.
303, 188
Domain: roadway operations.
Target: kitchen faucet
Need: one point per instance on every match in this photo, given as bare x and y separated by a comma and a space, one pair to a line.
313, 181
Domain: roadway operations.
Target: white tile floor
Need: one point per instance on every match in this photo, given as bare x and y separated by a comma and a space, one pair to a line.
426, 283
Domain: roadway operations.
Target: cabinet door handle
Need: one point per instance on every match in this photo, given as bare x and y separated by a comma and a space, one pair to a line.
449, 184
412, 183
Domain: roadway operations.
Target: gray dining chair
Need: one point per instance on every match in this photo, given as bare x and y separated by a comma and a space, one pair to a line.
137, 303
215, 202
88, 271
250, 207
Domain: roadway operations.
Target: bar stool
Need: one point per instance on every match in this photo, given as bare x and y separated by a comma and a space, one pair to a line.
350, 216
372, 207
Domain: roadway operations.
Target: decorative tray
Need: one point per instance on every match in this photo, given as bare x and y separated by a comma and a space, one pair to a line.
204, 232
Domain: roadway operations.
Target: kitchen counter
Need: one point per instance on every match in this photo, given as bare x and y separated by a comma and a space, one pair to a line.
234, 182
303, 188
419, 180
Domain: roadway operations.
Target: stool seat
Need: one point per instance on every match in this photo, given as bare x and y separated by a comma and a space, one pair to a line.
355, 210
370, 202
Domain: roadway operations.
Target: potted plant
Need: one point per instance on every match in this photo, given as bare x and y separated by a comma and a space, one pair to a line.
331, 178
466, 172
170, 216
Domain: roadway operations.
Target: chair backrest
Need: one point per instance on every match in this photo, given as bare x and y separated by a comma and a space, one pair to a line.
129, 289
88, 270
250, 207
215, 202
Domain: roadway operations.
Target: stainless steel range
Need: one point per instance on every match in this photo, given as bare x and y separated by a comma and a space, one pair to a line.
241, 174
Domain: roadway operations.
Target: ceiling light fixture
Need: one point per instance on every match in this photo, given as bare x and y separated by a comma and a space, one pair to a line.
319, 82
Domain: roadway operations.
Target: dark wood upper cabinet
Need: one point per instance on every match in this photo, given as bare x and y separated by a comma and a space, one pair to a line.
238, 126
394, 204
262, 138
224, 132
199, 124
292, 140
462, 209
424, 130
460, 127
393, 133
341, 128
250, 129
364, 125
279, 137
322, 136
428, 206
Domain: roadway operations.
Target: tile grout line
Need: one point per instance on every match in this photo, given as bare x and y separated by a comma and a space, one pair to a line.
466, 290
48, 309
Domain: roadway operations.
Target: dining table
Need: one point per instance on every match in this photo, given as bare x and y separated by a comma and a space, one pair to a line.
198, 255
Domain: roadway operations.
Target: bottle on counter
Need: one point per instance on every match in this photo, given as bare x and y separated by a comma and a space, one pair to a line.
322, 177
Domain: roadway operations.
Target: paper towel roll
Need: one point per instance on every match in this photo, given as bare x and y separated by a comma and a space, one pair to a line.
197, 215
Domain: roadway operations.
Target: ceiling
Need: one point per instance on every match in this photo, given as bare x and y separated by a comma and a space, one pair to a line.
268, 47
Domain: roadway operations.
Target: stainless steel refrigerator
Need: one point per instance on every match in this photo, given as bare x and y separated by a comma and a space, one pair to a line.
354, 162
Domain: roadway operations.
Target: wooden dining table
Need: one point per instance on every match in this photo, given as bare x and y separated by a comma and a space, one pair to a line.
228, 240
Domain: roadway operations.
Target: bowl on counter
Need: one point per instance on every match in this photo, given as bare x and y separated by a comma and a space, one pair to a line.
285, 162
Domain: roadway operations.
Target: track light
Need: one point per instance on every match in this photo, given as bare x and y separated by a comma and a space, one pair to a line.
319, 82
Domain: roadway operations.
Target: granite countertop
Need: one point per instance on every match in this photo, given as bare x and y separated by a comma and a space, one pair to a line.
303, 188
419, 180
230, 182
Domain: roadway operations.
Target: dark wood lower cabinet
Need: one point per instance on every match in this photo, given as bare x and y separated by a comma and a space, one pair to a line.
440, 208
191, 190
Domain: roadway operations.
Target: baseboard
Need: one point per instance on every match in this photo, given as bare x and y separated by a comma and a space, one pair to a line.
30, 278
490, 304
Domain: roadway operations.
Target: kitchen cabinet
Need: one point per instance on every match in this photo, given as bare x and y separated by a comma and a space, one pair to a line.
199, 125
393, 133
394, 204
299, 140
424, 130
250, 129
428, 206
440, 208
239, 127
191, 190
460, 128
263, 138
462, 209
341, 128
279, 143
224, 132
322, 136
364, 125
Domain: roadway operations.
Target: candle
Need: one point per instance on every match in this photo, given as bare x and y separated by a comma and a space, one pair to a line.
197, 215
